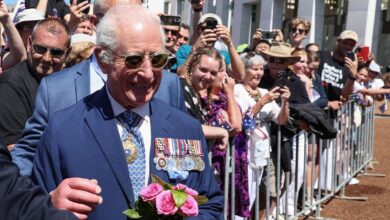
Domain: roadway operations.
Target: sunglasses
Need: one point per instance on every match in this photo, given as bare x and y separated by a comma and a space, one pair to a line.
275, 60
300, 31
54, 52
135, 60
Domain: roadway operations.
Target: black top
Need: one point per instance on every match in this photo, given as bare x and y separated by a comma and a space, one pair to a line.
297, 87
20, 198
193, 103
59, 6
18, 88
334, 74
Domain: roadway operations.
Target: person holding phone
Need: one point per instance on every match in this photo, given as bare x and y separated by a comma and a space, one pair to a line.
338, 71
211, 28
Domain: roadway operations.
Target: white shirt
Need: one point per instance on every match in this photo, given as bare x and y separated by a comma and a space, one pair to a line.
143, 126
96, 77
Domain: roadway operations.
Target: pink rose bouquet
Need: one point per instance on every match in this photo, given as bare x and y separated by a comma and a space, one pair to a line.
161, 200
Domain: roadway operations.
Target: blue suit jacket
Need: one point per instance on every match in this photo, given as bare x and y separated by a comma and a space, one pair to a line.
64, 89
83, 141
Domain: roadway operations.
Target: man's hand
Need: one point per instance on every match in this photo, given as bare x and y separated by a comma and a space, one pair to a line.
334, 105
352, 66
285, 93
77, 195
76, 13
205, 39
224, 33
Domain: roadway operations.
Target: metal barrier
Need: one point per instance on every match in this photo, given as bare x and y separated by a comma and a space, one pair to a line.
310, 183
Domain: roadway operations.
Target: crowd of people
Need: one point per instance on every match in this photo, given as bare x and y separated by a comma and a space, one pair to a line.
79, 82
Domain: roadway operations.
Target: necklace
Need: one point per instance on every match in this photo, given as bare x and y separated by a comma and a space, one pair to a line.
254, 94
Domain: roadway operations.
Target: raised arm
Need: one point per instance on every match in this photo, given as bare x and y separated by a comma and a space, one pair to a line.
17, 51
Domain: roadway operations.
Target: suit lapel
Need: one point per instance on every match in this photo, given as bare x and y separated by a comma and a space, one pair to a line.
101, 122
82, 81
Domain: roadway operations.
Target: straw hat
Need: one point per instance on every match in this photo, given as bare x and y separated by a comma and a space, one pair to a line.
282, 51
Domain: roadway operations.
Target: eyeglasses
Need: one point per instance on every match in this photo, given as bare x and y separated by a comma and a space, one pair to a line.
54, 52
275, 60
300, 31
135, 60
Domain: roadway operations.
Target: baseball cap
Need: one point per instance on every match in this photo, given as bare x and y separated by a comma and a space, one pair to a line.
348, 34
30, 14
209, 16
374, 67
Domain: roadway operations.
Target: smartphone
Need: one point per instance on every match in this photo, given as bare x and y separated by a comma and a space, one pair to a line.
268, 34
195, 1
170, 20
351, 55
363, 53
85, 11
282, 79
211, 24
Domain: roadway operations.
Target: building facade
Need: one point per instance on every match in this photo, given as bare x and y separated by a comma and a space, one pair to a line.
369, 18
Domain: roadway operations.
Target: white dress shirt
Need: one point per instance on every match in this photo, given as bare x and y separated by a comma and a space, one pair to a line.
143, 126
97, 77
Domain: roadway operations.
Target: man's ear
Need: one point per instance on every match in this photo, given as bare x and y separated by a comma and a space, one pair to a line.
94, 21
104, 66
29, 44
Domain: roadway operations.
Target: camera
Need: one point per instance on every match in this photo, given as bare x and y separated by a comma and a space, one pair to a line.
195, 1
170, 20
351, 55
282, 79
268, 34
211, 24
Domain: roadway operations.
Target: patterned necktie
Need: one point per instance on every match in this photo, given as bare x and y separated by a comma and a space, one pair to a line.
132, 135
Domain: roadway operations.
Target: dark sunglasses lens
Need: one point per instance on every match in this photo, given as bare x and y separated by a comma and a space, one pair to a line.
159, 60
133, 61
57, 52
40, 49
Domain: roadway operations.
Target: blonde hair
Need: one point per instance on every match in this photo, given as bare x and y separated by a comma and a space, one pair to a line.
297, 21
80, 52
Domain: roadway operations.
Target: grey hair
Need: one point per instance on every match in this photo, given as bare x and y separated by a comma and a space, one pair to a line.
115, 20
251, 58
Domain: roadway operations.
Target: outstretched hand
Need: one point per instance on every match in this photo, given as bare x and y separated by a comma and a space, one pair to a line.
77, 195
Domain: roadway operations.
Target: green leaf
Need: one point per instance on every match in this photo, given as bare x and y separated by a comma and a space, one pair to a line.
165, 185
179, 197
132, 213
201, 199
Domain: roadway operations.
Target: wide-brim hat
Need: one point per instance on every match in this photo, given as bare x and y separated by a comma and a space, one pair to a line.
282, 51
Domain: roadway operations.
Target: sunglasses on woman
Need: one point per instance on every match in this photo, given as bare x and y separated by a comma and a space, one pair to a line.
135, 60
54, 52
300, 31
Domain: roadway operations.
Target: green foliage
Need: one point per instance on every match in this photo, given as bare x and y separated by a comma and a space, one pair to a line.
179, 196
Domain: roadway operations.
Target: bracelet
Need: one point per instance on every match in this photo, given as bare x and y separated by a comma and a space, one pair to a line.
351, 77
198, 10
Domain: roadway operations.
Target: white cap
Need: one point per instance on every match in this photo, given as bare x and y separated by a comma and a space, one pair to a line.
30, 14
374, 67
76, 38
209, 16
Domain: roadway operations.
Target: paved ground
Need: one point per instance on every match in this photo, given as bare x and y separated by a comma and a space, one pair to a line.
377, 189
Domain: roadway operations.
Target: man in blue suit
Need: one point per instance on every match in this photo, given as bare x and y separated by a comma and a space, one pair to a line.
70, 85
93, 139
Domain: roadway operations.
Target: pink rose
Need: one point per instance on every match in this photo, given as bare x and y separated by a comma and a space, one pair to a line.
190, 207
165, 204
150, 192
187, 189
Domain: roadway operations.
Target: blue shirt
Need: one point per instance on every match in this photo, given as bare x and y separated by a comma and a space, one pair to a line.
184, 51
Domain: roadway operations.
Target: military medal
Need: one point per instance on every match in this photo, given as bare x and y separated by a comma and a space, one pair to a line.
130, 150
